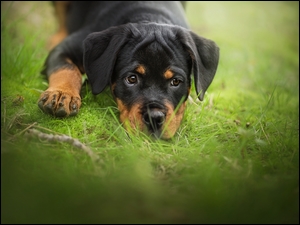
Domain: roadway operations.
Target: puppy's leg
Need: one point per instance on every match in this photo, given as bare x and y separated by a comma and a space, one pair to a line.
62, 96
64, 68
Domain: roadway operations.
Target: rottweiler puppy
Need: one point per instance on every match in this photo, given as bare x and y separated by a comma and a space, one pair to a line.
143, 50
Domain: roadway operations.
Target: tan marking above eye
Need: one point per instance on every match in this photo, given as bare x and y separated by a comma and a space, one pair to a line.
141, 69
168, 74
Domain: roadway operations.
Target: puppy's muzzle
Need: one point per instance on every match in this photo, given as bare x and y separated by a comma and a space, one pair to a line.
154, 116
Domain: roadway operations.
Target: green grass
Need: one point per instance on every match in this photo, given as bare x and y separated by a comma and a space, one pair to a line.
235, 158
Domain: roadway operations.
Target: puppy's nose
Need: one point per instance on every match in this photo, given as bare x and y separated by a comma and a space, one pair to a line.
154, 119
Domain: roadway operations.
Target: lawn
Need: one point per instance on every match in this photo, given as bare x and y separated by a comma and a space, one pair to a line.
235, 158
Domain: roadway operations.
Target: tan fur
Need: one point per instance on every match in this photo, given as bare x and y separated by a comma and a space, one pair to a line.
141, 69
173, 120
60, 8
168, 74
64, 89
68, 80
131, 118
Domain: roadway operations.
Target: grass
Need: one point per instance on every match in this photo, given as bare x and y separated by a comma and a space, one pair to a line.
235, 158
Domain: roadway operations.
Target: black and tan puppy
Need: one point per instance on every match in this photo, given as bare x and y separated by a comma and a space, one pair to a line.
143, 50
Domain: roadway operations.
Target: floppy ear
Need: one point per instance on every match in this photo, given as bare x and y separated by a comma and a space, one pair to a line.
205, 57
100, 51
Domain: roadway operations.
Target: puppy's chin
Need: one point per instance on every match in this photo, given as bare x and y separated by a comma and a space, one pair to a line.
133, 120
157, 134
160, 134
167, 131
164, 135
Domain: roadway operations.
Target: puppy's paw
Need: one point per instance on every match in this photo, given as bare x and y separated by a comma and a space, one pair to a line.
59, 103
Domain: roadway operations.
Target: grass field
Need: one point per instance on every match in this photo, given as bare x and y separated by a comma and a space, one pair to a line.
235, 158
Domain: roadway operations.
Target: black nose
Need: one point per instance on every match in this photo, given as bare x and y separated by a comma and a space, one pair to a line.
154, 119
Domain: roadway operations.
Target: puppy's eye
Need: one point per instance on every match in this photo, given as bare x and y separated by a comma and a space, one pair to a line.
131, 79
175, 82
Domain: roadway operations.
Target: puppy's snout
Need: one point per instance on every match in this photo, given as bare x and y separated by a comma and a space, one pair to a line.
154, 117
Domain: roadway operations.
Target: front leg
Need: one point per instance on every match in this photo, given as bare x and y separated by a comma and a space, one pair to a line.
64, 69
62, 98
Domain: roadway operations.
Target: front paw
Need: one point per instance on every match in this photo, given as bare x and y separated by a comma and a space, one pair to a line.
59, 103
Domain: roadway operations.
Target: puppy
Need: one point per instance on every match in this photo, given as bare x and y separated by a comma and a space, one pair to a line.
143, 50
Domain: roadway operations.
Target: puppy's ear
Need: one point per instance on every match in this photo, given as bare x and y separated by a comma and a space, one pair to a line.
205, 57
100, 51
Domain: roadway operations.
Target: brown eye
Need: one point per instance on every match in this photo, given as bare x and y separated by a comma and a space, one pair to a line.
175, 82
131, 79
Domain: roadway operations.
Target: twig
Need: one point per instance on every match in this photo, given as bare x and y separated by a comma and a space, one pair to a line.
15, 119
63, 138
31, 125
39, 127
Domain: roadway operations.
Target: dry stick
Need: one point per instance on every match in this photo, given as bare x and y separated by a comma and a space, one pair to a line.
39, 127
31, 125
63, 138
27, 128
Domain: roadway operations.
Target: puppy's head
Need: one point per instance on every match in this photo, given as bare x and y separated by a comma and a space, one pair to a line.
148, 67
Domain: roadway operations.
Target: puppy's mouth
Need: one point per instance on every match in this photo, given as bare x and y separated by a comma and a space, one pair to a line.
153, 118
